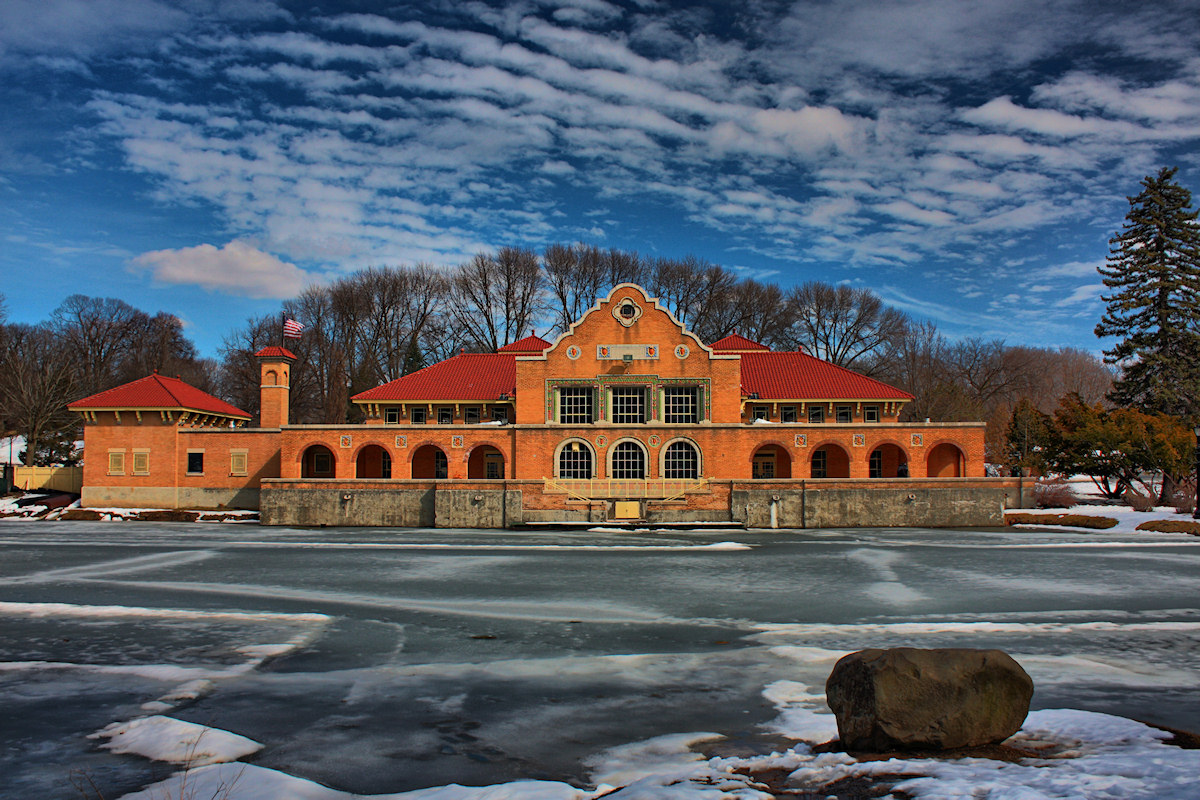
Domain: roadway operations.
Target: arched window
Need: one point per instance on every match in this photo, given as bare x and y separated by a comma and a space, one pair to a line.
628, 461
575, 461
680, 460
317, 462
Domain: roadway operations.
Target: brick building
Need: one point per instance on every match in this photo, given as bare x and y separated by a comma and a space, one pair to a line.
626, 416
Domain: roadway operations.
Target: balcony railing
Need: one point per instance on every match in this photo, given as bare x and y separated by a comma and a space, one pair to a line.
625, 489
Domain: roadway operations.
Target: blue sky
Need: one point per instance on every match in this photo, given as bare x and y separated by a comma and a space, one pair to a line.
968, 161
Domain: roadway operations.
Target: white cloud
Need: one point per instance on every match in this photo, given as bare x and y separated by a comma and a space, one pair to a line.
236, 269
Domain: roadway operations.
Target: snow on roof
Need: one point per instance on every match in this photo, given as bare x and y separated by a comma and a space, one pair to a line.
799, 376
736, 343
158, 391
530, 344
275, 351
466, 376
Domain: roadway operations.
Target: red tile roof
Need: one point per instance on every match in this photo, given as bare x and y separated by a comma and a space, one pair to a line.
736, 343
466, 376
158, 391
799, 376
275, 351
530, 344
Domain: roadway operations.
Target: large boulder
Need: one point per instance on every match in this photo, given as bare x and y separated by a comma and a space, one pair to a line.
911, 699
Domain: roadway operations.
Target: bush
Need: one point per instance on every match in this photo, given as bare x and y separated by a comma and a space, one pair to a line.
1183, 499
1069, 520
1138, 501
1054, 494
1170, 526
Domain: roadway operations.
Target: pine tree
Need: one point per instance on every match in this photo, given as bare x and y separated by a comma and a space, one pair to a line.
1154, 269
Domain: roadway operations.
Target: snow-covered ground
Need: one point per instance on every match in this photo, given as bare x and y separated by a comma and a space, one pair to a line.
1127, 519
178, 660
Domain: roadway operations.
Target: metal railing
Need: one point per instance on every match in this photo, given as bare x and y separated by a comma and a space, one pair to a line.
610, 488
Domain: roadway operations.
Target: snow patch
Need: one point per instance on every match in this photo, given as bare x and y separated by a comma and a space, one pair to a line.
175, 741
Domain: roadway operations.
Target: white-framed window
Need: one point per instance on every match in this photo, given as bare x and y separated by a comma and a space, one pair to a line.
681, 404
628, 405
471, 415
760, 412
195, 462
417, 415
575, 405
391, 416
870, 413
845, 413
445, 415
628, 461
116, 462
787, 414
141, 462
816, 414
239, 462
575, 461
681, 460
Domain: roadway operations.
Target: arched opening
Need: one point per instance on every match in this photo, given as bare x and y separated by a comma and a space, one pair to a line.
317, 462
945, 461
429, 461
373, 462
272, 378
575, 461
681, 459
628, 461
887, 461
485, 463
771, 461
830, 461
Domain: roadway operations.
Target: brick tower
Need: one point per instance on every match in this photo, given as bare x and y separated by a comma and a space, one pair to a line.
275, 365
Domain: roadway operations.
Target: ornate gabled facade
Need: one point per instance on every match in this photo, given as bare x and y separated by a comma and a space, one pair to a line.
625, 416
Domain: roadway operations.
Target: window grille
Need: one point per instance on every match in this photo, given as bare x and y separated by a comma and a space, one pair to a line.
116, 463
628, 462
681, 461
417, 415
441, 467
787, 414
816, 414
761, 412
875, 465
575, 461
575, 405
472, 416
870, 413
844, 413
820, 464
681, 404
763, 467
391, 416
445, 416
494, 467
237, 463
628, 404
500, 414
141, 463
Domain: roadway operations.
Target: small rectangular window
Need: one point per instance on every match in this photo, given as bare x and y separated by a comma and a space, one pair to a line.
141, 462
681, 405
763, 468
871, 414
391, 416
820, 464
575, 405
322, 464
845, 413
195, 462
816, 414
500, 414
787, 414
472, 415
875, 465
494, 468
237, 462
418, 416
761, 412
628, 405
116, 462
445, 416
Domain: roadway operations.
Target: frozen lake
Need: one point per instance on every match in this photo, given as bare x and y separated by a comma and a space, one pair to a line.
379, 661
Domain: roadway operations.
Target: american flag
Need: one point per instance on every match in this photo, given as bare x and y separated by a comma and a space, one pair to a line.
292, 329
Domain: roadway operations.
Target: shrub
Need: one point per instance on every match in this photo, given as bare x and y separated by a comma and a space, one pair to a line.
1183, 499
1054, 494
1170, 526
1069, 520
1138, 501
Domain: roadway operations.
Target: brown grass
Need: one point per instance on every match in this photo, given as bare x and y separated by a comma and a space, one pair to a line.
1069, 520
1171, 526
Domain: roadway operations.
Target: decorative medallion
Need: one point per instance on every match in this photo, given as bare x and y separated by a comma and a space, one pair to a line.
602, 351
651, 351
601, 441
682, 351
573, 352
917, 440
456, 441
860, 440
627, 312
347, 441
401, 441
654, 440
801, 440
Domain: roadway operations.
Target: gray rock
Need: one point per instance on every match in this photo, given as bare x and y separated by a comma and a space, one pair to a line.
911, 699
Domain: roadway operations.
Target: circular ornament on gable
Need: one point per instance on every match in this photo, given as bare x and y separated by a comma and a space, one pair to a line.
573, 352
682, 351
627, 312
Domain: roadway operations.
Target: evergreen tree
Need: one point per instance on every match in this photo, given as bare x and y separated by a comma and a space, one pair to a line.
1153, 269
1029, 440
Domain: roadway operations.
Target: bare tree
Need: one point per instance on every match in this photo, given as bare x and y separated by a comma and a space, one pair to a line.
495, 299
848, 327
37, 380
103, 332
575, 276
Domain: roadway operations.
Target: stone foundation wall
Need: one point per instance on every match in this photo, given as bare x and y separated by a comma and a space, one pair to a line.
168, 497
